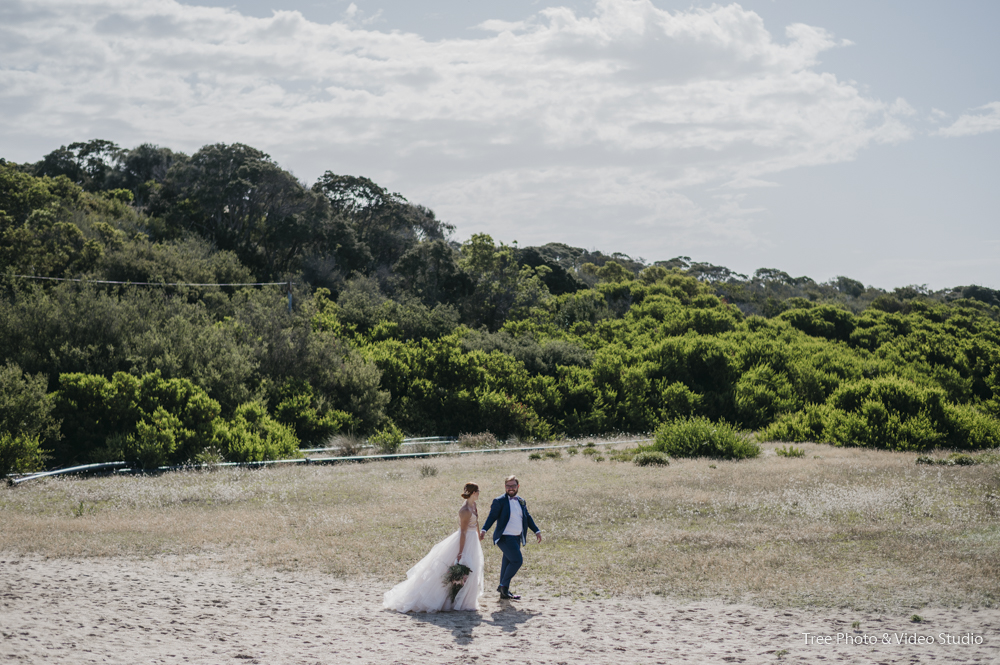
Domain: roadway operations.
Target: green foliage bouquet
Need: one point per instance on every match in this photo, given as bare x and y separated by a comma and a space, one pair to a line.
456, 577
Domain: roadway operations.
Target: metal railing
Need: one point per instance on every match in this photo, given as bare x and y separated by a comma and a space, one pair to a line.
132, 467
419, 441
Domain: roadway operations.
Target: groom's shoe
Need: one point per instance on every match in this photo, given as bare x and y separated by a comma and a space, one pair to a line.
505, 594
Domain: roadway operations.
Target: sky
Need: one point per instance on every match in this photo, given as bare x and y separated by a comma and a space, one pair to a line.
828, 138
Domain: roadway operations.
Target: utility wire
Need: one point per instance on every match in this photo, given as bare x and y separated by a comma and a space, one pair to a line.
105, 281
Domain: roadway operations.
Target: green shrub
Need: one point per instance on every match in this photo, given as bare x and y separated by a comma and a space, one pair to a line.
25, 408
790, 451
809, 424
303, 412
700, 437
388, 440
889, 412
678, 401
20, 454
168, 420
959, 459
761, 394
651, 458
534, 456
253, 436
152, 444
622, 455
209, 456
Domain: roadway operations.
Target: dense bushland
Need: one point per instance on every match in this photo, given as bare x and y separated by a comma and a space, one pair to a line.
382, 324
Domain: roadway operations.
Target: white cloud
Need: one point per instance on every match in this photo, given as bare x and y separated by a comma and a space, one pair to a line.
969, 124
627, 114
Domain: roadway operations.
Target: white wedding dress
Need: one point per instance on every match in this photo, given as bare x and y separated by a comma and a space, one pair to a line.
424, 589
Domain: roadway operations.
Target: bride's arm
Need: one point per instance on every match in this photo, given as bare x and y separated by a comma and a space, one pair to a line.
464, 517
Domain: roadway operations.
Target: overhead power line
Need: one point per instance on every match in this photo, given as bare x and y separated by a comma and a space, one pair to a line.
108, 281
127, 283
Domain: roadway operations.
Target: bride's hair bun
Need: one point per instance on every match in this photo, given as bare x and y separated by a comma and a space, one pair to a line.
470, 489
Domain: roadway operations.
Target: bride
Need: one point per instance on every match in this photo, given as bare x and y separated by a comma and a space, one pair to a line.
424, 589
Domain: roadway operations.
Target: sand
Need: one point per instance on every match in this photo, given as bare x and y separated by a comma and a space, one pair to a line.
177, 610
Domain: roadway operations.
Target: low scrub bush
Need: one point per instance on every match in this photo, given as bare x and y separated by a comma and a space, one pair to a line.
651, 458
622, 455
345, 445
481, 440
253, 436
20, 454
961, 459
700, 437
388, 440
790, 451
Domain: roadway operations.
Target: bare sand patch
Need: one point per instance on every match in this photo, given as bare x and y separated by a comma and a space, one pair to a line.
192, 610
701, 561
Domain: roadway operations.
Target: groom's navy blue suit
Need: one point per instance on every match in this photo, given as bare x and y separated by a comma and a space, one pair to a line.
509, 545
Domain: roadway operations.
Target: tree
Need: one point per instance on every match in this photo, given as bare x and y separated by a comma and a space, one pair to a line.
239, 199
559, 280
612, 271
431, 271
383, 221
143, 169
502, 287
88, 164
769, 275
846, 285
713, 274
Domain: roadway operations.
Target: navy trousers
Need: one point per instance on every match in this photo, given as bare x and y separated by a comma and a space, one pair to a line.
512, 559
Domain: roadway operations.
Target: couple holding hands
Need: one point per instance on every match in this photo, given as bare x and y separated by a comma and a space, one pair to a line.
424, 590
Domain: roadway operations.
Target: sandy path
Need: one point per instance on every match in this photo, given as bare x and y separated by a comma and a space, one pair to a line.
184, 611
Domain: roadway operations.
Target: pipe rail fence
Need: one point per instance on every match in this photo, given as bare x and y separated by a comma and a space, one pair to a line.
133, 467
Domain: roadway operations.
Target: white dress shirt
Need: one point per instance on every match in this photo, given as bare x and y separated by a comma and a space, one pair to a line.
516, 523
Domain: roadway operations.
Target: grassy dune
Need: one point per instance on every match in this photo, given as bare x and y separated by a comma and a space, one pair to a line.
839, 527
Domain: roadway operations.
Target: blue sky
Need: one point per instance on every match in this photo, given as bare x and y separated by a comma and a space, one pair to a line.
820, 138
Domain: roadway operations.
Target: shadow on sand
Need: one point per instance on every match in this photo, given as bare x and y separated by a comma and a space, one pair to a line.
462, 624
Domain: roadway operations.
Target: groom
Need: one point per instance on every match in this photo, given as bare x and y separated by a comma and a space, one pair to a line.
513, 521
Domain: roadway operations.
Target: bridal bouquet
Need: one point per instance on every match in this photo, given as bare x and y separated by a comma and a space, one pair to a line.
456, 577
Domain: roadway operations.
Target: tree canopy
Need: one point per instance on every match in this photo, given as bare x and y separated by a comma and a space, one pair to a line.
393, 323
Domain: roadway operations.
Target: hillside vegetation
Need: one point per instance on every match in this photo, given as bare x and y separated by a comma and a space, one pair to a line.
380, 320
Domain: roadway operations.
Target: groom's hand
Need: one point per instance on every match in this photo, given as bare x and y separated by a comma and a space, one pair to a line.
482, 534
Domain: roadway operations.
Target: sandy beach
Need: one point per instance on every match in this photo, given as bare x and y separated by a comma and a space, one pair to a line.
190, 610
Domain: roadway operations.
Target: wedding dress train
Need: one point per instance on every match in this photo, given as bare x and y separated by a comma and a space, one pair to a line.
424, 589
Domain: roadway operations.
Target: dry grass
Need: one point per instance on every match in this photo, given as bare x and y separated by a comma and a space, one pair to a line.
837, 527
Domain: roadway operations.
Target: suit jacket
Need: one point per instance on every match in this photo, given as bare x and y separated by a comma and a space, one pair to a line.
500, 513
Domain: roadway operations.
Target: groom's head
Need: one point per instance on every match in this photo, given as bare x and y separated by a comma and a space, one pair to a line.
511, 485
